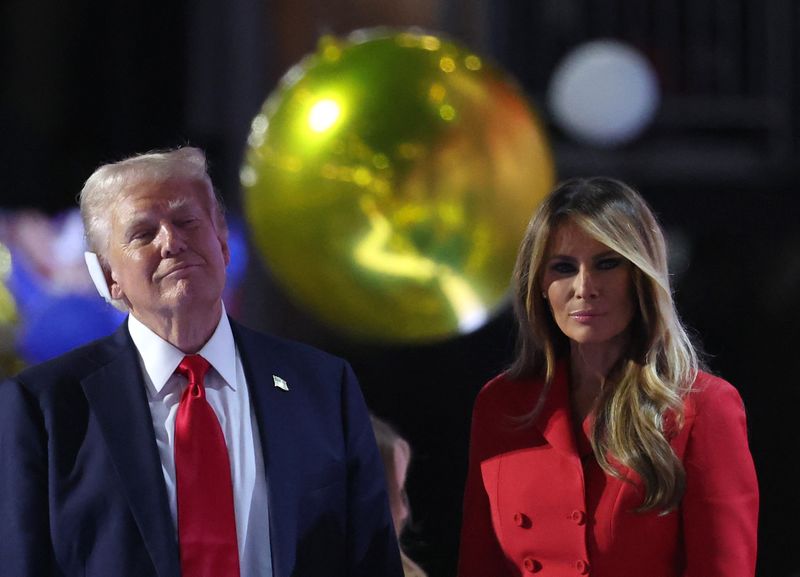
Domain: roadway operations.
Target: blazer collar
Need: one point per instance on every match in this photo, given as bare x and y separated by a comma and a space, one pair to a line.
117, 397
555, 420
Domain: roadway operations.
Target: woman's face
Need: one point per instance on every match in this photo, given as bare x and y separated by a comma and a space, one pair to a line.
588, 286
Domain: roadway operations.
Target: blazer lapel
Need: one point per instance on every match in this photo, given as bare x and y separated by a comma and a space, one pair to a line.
554, 422
118, 400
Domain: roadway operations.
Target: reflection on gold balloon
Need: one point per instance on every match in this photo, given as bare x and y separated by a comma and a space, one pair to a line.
388, 182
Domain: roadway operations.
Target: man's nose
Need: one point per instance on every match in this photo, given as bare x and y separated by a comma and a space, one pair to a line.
171, 240
585, 286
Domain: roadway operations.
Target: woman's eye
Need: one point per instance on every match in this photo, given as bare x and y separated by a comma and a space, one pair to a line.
609, 263
563, 267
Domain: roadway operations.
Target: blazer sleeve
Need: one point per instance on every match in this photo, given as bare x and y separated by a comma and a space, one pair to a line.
25, 546
372, 545
480, 554
720, 506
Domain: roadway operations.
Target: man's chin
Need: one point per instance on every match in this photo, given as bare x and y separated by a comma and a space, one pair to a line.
189, 292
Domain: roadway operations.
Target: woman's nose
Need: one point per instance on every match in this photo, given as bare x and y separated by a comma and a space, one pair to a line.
585, 287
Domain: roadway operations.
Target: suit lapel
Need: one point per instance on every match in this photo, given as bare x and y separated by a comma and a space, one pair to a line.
117, 397
276, 421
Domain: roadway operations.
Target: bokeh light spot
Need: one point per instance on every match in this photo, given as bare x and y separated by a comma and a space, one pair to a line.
362, 176
260, 124
431, 43
473, 62
447, 64
331, 52
447, 112
248, 176
380, 161
437, 92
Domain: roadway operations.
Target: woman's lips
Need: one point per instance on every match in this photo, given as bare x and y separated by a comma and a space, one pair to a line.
586, 316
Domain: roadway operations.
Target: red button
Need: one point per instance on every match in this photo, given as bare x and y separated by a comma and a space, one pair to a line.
522, 520
531, 565
582, 567
579, 517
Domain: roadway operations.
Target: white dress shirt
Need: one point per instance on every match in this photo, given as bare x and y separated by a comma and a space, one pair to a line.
226, 391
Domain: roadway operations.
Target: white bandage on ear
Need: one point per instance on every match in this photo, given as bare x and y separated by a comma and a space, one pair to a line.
98, 277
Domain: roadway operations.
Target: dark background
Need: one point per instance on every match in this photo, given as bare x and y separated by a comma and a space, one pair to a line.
84, 82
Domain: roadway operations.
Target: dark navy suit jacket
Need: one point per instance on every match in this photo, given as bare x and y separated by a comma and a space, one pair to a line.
81, 487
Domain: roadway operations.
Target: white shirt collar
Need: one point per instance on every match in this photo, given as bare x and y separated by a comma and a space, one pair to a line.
160, 358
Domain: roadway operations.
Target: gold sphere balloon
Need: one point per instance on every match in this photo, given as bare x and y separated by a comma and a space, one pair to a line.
388, 181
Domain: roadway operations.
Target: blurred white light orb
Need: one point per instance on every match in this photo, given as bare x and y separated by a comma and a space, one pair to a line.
603, 93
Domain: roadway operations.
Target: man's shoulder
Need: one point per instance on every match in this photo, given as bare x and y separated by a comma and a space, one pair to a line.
75, 364
287, 349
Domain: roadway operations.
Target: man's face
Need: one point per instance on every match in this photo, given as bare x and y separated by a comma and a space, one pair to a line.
166, 255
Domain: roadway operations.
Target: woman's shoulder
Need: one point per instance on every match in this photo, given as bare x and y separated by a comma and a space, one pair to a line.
710, 392
508, 391
710, 385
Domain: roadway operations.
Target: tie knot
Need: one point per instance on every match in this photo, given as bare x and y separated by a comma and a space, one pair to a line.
194, 368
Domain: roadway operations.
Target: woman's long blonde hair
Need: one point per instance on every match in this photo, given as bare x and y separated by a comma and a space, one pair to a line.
652, 376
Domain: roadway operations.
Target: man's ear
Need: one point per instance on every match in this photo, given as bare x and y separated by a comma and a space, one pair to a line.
116, 290
99, 279
226, 251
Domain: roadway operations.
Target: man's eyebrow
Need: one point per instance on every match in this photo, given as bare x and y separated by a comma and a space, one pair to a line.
137, 221
177, 203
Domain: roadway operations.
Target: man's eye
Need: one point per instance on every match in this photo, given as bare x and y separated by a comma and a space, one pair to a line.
142, 236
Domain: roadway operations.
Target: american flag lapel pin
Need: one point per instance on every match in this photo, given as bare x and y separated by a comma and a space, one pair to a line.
280, 383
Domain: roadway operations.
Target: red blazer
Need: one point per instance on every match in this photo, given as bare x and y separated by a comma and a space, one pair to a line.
533, 507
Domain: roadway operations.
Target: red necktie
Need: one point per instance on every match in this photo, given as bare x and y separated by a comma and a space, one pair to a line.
206, 522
